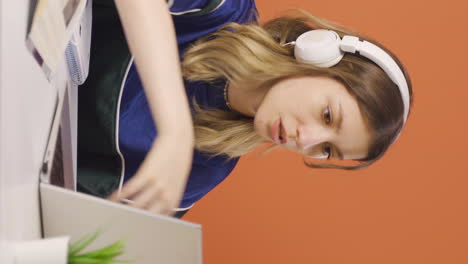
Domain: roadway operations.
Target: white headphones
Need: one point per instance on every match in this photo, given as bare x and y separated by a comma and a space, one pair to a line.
324, 48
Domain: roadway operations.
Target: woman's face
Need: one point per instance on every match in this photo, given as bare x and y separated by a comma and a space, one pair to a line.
315, 116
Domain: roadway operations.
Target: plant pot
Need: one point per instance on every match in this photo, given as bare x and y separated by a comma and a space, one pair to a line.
47, 251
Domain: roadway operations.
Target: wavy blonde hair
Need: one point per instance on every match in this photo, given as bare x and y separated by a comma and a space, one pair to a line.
254, 54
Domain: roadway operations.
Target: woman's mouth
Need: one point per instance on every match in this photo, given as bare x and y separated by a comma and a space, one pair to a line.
283, 135
278, 133
275, 131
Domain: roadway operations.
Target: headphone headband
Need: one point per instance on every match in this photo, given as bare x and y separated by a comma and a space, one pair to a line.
324, 48
352, 44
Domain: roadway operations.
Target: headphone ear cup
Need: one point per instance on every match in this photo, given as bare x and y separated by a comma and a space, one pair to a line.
319, 47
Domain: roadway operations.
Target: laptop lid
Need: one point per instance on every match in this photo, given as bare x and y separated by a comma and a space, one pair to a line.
149, 238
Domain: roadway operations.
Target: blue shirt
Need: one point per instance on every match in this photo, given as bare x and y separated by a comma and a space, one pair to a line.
137, 130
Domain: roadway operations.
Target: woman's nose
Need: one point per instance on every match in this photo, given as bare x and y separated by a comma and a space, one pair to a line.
309, 136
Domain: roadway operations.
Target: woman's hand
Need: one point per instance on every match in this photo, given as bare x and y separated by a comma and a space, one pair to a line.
159, 183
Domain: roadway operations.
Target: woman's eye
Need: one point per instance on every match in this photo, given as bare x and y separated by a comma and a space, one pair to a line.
327, 115
327, 150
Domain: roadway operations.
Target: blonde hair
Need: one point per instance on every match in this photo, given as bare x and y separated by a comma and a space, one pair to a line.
254, 54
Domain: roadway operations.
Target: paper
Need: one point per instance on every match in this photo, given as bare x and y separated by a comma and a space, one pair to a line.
52, 26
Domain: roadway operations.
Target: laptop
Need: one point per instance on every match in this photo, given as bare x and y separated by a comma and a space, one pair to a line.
149, 238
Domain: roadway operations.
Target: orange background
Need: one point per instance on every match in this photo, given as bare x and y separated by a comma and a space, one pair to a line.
410, 207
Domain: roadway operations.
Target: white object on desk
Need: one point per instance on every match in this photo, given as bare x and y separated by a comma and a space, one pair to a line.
47, 251
78, 49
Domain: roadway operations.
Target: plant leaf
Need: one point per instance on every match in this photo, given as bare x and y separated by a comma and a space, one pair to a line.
82, 243
113, 250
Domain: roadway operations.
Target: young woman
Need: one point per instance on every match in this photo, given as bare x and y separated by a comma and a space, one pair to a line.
245, 85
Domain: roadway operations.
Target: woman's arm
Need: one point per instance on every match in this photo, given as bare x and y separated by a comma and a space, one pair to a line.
150, 34
160, 181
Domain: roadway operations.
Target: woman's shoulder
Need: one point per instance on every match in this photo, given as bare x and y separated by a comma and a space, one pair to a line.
206, 174
180, 7
241, 11
192, 27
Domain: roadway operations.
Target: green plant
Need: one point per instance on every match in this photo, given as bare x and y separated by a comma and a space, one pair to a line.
106, 255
